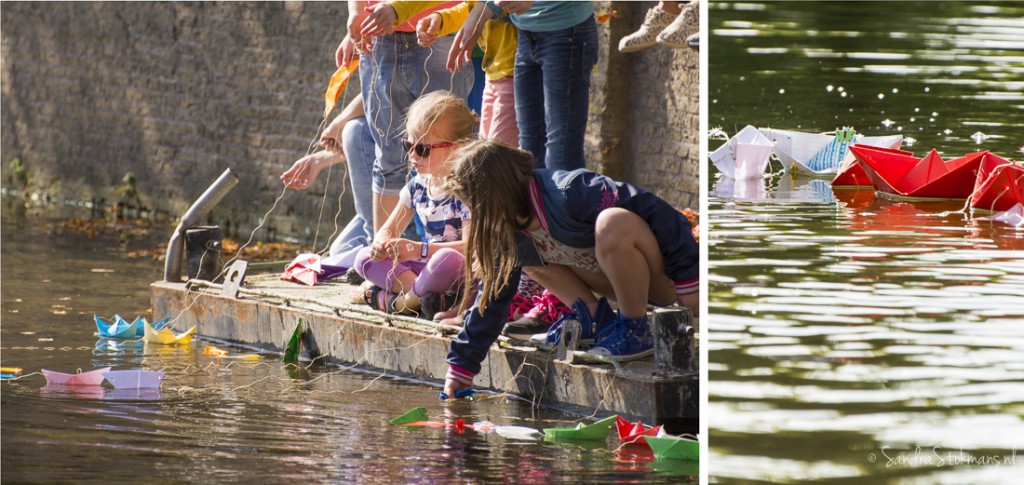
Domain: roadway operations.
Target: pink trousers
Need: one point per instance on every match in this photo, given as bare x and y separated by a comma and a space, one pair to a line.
498, 120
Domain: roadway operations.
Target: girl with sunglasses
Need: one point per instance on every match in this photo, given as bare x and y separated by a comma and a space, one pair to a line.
407, 274
578, 233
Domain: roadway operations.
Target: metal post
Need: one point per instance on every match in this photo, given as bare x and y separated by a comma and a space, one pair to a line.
675, 350
199, 209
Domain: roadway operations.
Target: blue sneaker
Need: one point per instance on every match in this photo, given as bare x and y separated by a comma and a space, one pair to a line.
628, 339
592, 325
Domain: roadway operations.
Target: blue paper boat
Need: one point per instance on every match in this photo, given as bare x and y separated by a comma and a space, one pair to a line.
119, 328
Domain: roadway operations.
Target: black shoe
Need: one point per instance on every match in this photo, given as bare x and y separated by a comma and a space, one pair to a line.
433, 303
352, 277
524, 328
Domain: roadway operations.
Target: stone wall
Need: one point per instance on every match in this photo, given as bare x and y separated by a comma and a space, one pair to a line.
177, 92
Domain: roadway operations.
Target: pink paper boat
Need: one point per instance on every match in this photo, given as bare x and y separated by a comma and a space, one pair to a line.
303, 269
91, 378
134, 379
999, 185
930, 177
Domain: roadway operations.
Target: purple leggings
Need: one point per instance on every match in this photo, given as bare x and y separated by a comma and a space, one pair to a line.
444, 269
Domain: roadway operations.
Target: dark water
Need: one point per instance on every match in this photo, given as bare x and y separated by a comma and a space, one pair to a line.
853, 336
233, 421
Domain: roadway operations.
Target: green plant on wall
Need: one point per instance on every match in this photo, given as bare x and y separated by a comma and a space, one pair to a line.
18, 178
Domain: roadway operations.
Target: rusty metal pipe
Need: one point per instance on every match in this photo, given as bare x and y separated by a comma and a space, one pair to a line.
199, 209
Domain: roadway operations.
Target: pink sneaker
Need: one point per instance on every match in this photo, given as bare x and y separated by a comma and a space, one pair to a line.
547, 308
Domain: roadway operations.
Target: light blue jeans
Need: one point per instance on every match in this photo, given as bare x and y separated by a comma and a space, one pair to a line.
552, 80
396, 73
357, 143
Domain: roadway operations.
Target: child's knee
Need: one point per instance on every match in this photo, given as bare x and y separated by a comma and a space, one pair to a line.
362, 261
447, 258
616, 227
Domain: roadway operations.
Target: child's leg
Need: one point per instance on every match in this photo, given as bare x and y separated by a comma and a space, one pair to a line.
499, 108
567, 58
386, 274
564, 283
629, 255
530, 100
445, 268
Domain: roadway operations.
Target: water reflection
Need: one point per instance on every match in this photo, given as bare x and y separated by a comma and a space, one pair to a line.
844, 323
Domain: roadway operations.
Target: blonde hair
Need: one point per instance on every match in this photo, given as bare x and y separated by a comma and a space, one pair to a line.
492, 179
430, 108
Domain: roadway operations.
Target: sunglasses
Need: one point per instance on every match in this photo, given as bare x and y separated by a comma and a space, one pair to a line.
423, 149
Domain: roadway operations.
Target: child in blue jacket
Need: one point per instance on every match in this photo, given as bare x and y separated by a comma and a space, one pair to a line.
576, 232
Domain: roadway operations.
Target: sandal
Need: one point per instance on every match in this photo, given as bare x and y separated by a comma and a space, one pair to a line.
382, 303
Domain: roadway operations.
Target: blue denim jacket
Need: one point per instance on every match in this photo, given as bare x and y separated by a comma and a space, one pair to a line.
571, 202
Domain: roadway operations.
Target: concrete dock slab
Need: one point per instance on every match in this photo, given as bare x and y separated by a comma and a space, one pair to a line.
267, 309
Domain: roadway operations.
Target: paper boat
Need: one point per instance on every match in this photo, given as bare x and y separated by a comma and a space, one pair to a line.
518, 433
821, 155
291, 348
134, 379
634, 432
593, 431
119, 328
167, 337
894, 173
413, 415
157, 325
852, 174
91, 378
1014, 216
999, 185
674, 447
744, 156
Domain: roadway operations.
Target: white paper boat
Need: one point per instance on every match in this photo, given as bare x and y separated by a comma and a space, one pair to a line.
518, 433
821, 154
1014, 216
744, 156
134, 379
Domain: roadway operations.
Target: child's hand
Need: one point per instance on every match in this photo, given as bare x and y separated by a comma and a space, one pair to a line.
331, 137
427, 29
398, 249
380, 20
451, 385
346, 50
304, 171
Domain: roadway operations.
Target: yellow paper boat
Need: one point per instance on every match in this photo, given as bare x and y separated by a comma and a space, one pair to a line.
167, 337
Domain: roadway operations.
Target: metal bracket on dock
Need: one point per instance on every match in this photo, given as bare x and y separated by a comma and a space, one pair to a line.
233, 280
568, 341
675, 349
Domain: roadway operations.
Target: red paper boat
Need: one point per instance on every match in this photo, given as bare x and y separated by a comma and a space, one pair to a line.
851, 173
919, 178
999, 185
634, 432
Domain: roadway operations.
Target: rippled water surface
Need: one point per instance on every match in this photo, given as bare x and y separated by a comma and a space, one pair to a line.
853, 335
233, 421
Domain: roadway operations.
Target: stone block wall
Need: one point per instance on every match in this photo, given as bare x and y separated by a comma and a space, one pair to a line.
177, 92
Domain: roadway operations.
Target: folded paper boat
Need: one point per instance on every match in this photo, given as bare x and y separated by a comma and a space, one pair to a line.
157, 325
167, 337
1013, 216
821, 155
134, 379
119, 328
674, 447
895, 173
593, 431
634, 432
744, 156
91, 378
999, 185
852, 174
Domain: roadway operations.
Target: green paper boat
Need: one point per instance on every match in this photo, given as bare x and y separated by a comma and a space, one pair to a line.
674, 447
291, 351
415, 414
594, 431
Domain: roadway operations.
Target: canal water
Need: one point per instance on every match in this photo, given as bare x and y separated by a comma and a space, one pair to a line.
852, 336
223, 421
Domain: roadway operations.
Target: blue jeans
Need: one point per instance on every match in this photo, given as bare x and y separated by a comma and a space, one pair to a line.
396, 73
552, 80
357, 143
